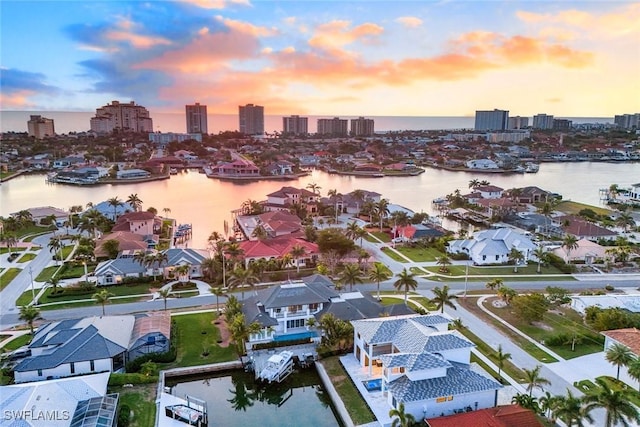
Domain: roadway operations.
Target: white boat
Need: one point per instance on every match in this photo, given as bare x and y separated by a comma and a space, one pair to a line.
278, 367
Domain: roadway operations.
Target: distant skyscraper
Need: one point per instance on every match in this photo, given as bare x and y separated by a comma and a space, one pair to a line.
126, 117
542, 121
627, 121
362, 127
196, 118
492, 120
562, 124
295, 125
251, 119
518, 122
40, 127
335, 127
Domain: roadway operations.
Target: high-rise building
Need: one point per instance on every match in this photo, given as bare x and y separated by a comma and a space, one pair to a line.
562, 124
335, 127
196, 118
295, 125
251, 119
542, 121
518, 122
125, 117
492, 120
40, 127
627, 121
362, 127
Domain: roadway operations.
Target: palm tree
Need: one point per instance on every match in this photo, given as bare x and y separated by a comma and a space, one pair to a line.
218, 292
240, 278
625, 221
516, 256
53, 281
333, 196
506, 294
382, 210
546, 210
542, 255
241, 332
400, 417
72, 211
54, 245
533, 379
571, 411
29, 314
296, 253
443, 297
633, 369
352, 230
616, 403
166, 211
406, 282
135, 202
315, 188
501, 357
234, 251
474, 183
115, 202
209, 268
570, 243
444, 262
361, 233
494, 284
379, 273
526, 401
102, 298
260, 232
619, 355
350, 275
164, 294
10, 240
548, 404
182, 271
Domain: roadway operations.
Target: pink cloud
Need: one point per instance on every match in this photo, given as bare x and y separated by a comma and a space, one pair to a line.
409, 21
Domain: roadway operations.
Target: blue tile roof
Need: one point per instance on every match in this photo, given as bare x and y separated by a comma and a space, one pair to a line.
414, 361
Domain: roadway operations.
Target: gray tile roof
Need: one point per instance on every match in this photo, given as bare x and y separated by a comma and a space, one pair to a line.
178, 256
384, 330
119, 266
296, 294
457, 381
414, 361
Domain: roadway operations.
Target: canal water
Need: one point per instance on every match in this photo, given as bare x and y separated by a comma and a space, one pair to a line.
206, 203
234, 399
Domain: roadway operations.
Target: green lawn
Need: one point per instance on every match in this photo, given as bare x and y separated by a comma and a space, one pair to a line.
140, 398
77, 270
33, 236
6, 250
381, 236
573, 208
619, 385
46, 274
8, 276
411, 301
526, 345
509, 368
66, 251
569, 322
26, 257
349, 394
33, 229
393, 255
195, 334
420, 254
116, 290
505, 270
16, 343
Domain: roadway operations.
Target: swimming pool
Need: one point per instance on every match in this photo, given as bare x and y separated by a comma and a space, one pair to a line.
373, 385
296, 336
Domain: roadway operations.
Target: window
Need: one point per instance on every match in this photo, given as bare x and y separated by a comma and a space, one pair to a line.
73, 368
92, 365
313, 306
39, 372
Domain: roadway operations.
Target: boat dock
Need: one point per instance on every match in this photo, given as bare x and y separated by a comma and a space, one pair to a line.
304, 356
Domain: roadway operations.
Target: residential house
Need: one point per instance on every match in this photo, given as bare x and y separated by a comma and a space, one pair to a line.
583, 229
127, 241
45, 212
628, 337
143, 223
65, 162
493, 246
421, 364
281, 167
185, 256
132, 174
287, 197
625, 302
110, 211
277, 247
414, 232
489, 191
587, 251
352, 204
283, 311
64, 402
275, 223
531, 195
240, 167
114, 271
90, 345
500, 416
498, 207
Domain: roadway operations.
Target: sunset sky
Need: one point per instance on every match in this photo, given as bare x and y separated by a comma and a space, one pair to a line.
401, 58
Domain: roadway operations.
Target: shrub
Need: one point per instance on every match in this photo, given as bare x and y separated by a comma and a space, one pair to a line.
609, 288
124, 414
116, 380
167, 357
559, 263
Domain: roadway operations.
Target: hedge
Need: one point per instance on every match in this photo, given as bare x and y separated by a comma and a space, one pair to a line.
122, 379
275, 344
166, 357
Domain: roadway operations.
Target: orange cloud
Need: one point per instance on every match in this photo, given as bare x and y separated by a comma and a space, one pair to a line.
136, 40
334, 35
18, 99
216, 4
247, 28
409, 21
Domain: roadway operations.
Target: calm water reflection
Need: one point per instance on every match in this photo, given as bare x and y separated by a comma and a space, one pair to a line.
206, 203
236, 400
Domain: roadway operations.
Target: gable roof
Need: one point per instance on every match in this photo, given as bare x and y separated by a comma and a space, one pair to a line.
387, 330
176, 256
581, 228
414, 361
276, 247
629, 337
500, 416
122, 266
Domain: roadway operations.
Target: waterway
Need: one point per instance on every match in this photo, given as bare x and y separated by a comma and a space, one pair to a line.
206, 203
236, 400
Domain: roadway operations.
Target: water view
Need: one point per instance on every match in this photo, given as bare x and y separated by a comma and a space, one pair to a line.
206, 203
235, 400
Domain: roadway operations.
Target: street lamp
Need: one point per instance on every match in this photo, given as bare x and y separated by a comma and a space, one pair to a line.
33, 289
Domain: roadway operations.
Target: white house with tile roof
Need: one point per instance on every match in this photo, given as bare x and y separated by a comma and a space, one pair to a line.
493, 246
421, 364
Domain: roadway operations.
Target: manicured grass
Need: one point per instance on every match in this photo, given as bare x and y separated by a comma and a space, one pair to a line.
8, 276
195, 334
413, 301
26, 257
33, 229
16, 343
6, 250
506, 270
533, 350
585, 386
89, 303
381, 236
634, 395
573, 208
349, 394
46, 274
76, 271
66, 251
394, 255
569, 322
33, 236
512, 370
116, 290
420, 254
140, 398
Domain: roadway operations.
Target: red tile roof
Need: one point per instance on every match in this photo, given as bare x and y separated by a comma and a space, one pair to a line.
629, 337
581, 228
500, 416
276, 248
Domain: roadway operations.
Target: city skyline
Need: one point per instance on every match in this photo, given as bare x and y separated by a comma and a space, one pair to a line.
324, 58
